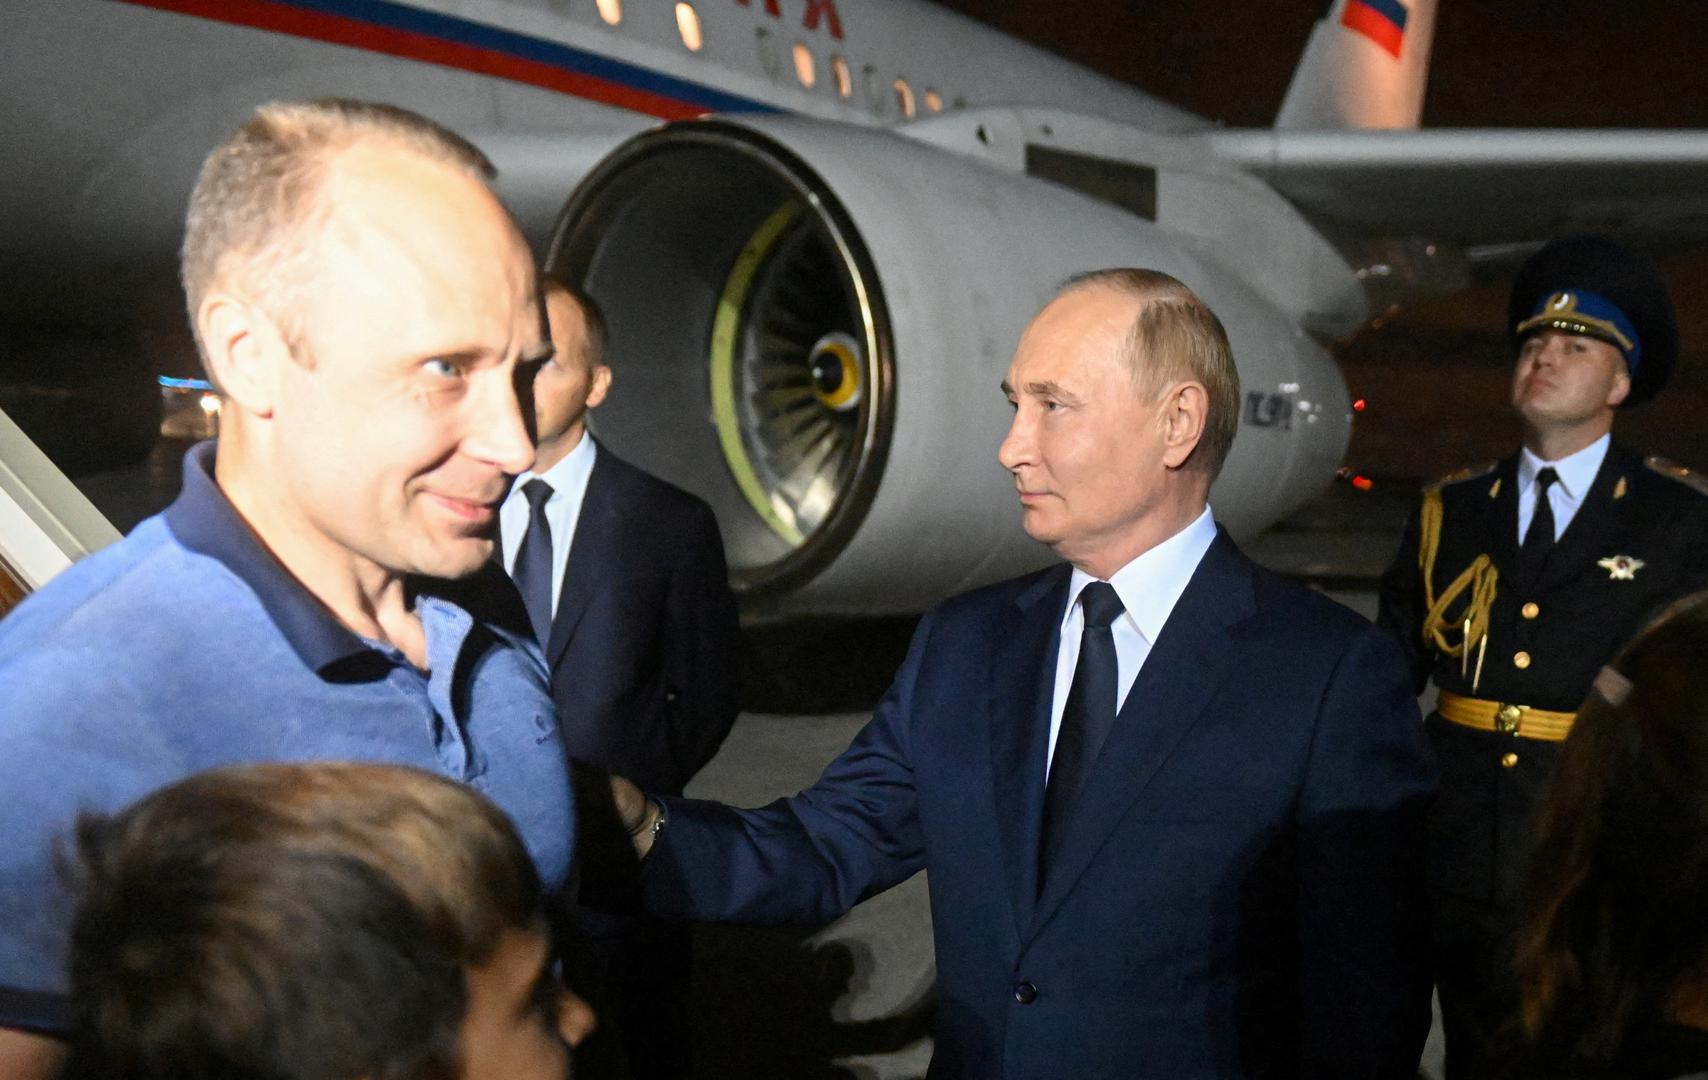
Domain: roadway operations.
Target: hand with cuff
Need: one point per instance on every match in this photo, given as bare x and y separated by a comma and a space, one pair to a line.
643, 817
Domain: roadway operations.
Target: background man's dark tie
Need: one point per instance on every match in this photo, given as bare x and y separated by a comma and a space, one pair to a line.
1086, 719
533, 571
1540, 539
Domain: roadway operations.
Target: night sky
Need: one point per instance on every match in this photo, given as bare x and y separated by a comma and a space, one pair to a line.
1496, 63
1435, 374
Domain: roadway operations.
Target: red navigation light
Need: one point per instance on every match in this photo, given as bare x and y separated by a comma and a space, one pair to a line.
1362, 482
1358, 406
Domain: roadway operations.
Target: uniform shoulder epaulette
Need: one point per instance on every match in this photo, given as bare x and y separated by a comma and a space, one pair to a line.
1682, 473
1463, 475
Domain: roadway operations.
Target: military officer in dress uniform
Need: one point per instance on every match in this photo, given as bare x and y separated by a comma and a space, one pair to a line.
1516, 581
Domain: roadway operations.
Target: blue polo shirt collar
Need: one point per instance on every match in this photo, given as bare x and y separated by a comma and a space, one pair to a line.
205, 522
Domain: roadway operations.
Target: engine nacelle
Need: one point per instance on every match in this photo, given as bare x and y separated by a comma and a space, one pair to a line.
809, 326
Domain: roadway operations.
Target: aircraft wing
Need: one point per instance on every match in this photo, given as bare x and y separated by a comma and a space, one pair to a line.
1486, 187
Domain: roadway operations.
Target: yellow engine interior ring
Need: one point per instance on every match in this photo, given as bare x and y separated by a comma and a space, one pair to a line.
726, 328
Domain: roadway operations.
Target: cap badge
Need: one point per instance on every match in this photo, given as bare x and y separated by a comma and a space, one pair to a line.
1585, 313
1620, 567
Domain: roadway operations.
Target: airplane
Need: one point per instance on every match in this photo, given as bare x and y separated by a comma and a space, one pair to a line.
816, 227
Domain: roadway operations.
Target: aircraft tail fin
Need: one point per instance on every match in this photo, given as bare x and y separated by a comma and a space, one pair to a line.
1365, 66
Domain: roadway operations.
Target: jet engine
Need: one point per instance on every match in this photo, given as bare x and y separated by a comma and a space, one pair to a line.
809, 327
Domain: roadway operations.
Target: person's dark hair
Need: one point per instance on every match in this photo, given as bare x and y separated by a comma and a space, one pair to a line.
1619, 906
598, 332
1176, 336
289, 922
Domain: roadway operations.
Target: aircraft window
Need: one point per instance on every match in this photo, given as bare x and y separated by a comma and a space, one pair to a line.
904, 97
875, 91
933, 101
844, 78
611, 11
768, 58
804, 67
688, 25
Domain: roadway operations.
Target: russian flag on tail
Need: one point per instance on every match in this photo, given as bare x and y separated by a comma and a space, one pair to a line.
1382, 21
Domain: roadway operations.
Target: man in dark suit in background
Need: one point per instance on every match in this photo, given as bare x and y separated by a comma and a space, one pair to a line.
1171, 805
624, 580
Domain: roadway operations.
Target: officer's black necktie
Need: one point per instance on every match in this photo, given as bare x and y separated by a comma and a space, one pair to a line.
1086, 719
533, 571
1540, 539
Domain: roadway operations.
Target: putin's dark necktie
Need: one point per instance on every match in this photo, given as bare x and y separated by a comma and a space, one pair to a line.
533, 571
1086, 718
1540, 539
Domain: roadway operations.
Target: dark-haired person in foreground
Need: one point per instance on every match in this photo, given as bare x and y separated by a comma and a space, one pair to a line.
1171, 805
1613, 958
330, 921
370, 314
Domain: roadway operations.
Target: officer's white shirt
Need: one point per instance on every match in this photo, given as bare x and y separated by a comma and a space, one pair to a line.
1577, 472
1149, 587
568, 480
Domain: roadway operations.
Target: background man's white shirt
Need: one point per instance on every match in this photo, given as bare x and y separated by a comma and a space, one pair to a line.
1577, 472
568, 480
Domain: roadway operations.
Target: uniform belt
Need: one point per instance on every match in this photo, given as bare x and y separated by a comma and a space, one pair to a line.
1508, 719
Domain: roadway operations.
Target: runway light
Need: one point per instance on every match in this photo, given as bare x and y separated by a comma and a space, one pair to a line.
1362, 482
1358, 406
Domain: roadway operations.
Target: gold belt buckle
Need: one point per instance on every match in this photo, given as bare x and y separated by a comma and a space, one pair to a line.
1508, 718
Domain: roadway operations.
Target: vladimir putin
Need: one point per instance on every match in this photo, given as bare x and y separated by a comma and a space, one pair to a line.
1171, 804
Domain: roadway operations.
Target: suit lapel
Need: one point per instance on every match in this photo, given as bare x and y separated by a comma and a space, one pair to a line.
1022, 685
595, 535
1502, 494
1187, 664
1589, 536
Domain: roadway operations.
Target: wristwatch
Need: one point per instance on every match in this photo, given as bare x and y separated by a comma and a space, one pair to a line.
658, 822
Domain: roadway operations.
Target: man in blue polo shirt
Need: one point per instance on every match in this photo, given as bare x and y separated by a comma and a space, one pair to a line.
368, 311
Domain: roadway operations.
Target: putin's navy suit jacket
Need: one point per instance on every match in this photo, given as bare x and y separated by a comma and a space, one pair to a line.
1241, 890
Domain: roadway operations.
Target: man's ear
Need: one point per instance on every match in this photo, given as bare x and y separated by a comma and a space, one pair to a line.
244, 349
1186, 410
601, 385
1621, 388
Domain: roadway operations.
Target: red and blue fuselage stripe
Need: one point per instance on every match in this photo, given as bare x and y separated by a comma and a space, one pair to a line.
449, 41
1382, 21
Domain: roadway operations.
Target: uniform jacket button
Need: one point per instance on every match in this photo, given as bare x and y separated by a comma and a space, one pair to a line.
1025, 993
1530, 610
1521, 660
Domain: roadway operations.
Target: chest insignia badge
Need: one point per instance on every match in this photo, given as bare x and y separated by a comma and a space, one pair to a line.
1620, 567
1619, 489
